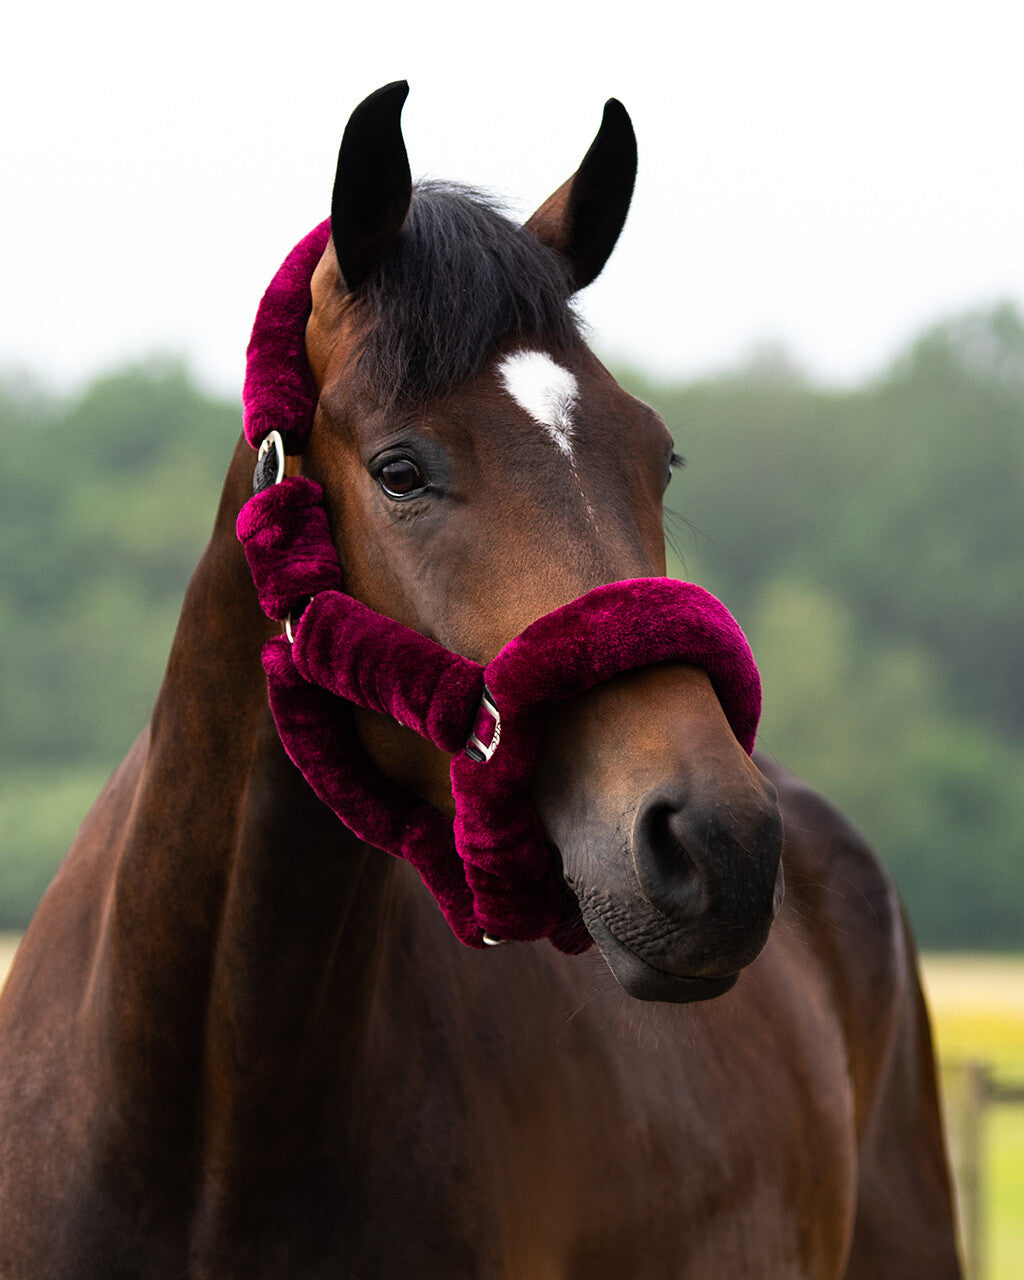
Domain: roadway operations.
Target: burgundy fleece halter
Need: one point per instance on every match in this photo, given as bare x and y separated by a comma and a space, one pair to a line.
492, 870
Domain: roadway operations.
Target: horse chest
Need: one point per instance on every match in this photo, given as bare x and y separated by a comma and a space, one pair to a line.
612, 1142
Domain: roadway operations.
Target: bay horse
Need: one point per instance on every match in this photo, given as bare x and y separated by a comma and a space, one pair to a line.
238, 1041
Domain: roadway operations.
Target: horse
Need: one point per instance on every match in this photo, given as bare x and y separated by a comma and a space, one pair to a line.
239, 1040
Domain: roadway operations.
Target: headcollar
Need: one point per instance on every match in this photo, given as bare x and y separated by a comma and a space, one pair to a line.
492, 870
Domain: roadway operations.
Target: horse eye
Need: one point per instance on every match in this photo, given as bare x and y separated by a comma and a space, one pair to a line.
401, 478
674, 461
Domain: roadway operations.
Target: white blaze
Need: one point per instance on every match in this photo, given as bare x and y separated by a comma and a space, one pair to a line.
546, 390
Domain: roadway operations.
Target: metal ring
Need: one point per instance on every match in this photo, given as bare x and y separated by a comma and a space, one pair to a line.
273, 440
476, 748
493, 942
300, 608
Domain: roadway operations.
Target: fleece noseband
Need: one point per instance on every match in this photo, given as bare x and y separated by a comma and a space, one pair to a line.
491, 870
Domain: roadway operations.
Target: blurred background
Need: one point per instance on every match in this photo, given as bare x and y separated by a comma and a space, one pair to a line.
820, 286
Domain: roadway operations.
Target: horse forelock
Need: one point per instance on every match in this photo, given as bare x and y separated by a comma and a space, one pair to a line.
461, 279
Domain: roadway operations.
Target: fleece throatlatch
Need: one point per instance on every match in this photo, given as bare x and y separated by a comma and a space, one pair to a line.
491, 870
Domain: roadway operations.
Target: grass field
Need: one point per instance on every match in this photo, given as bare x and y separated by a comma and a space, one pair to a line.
8, 946
977, 1006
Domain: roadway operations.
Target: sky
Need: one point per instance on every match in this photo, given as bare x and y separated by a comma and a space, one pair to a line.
830, 177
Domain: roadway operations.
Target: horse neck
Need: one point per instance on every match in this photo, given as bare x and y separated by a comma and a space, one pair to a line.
244, 920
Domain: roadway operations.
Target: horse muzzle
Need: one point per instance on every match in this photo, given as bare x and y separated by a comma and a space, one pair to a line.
669, 835
696, 904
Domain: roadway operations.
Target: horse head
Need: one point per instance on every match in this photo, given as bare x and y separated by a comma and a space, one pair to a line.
480, 469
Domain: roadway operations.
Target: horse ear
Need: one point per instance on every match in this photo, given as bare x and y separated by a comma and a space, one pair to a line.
373, 185
582, 220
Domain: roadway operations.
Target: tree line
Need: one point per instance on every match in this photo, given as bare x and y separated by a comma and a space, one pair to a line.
869, 539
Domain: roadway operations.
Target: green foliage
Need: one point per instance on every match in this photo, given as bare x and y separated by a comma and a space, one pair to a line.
870, 541
866, 720
907, 496
105, 506
39, 815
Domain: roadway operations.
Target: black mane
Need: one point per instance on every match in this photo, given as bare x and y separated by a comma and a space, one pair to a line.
461, 278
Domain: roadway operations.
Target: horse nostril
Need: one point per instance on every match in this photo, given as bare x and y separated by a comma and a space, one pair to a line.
718, 862
669, 876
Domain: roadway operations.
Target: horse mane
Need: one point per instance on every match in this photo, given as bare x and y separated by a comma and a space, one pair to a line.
461, 278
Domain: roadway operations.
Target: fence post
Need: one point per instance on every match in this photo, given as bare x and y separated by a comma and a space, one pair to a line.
967, 1094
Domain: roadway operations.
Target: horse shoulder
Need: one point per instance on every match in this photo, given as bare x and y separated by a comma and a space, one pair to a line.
48, 1097
55, 956
841, 903
845, 907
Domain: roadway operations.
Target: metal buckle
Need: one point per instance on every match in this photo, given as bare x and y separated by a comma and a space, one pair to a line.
298, 611
476, 748
269, 473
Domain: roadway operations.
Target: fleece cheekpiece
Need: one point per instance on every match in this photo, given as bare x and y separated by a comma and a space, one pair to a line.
492, 870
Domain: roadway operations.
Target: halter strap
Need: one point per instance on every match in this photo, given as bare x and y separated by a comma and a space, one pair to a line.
279, 392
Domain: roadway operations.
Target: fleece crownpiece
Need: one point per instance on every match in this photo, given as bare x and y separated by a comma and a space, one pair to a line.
491, 870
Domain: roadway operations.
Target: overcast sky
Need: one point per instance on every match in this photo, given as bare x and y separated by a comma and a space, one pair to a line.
830, 176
